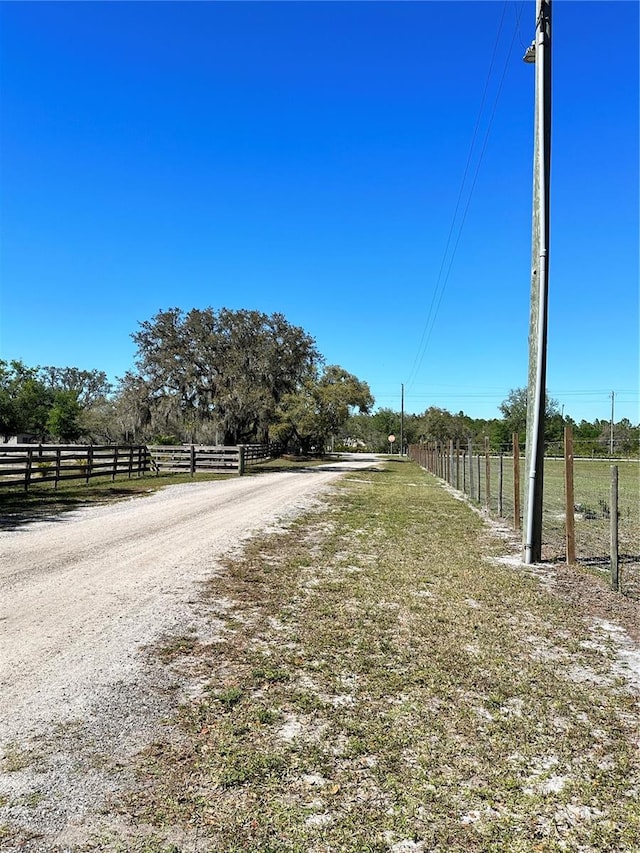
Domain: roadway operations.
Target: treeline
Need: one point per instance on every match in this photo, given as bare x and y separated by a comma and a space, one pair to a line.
205, 376
590, 439
239, 377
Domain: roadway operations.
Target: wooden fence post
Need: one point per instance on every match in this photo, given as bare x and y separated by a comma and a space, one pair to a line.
89, 463
57, 474
27, 473
570, 527
451, 462
615, 568
458, 464
241, 460
114, 470
192, 460
479, 477
471, 484
487, 474
501, 485
516, 481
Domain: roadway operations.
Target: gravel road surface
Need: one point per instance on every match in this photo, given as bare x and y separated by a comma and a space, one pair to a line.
80, 598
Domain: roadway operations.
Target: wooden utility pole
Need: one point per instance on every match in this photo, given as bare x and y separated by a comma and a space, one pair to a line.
613, 395
516, 481
570, 528
401, 419
536, 394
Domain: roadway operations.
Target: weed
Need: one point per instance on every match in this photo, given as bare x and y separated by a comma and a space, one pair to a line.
229, 697
16, 758
391, 689
176, 647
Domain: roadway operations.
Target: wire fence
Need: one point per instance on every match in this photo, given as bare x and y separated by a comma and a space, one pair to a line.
599, 526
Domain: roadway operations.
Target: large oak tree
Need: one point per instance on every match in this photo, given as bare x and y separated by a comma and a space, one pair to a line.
225, 370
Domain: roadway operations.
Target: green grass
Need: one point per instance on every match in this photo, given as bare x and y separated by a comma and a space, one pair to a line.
592, 497
43, 501
15, 758
288, 463
382, 680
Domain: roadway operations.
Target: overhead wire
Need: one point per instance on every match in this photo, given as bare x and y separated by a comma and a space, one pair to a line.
441, 283
460, 193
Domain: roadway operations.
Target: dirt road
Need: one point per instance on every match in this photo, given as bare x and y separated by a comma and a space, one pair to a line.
82, 595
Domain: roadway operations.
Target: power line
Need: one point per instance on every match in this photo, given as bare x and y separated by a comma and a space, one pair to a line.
441, 284
460, 192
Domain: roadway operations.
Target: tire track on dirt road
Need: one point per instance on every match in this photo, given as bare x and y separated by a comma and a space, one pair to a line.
80, 595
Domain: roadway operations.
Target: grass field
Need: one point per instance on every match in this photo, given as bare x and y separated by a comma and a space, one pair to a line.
592, 497
43, 501
382, 680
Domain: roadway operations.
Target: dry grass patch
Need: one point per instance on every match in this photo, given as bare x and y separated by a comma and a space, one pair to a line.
381, 686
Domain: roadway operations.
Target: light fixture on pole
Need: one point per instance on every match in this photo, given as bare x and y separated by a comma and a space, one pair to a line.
530, 55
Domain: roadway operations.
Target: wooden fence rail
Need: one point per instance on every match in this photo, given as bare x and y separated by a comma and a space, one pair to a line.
23, 465
192, 458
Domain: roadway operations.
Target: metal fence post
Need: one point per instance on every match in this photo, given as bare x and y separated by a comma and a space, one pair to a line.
487, 468
516, 481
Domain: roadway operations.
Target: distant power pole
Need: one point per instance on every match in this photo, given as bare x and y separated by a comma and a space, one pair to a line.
613, 394
540, 53
402, 419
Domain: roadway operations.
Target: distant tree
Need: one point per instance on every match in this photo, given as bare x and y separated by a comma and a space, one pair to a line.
439, 425
132, 409
89, 386
309, 416
626, 438
9, 419
64, 419
24, 400
228, 368
514, 413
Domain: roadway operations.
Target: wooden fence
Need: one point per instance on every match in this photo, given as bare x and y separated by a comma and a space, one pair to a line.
193, 458
23, 465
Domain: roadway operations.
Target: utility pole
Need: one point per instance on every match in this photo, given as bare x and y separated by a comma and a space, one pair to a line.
540, 53
613, 394
402, 419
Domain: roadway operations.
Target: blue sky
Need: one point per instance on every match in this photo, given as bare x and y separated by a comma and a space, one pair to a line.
316, 159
